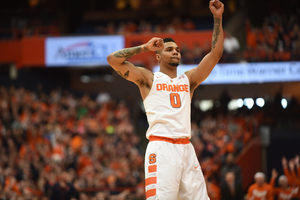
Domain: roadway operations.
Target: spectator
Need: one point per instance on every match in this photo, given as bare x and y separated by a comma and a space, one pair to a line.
103, 97
213, 190
231, 190
284, 192
293, 179
260, 190
231, 166
63, 189
231, 47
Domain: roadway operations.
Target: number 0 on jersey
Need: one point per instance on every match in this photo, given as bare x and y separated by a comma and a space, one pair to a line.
175, 100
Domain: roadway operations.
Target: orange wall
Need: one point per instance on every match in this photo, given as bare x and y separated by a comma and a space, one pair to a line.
33, 52
10, 51
25, 52
250, 161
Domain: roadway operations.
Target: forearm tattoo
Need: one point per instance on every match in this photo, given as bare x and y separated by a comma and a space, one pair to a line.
125, 75
216, 32
128, 52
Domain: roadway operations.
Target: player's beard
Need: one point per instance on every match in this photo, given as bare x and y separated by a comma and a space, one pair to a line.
174, 64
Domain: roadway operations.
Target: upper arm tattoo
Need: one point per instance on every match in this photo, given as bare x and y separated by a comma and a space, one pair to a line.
128, 53
216, 32
125, 75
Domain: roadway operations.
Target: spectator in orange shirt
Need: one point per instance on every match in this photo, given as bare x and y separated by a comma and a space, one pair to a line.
213, 190
284, 192
260, 190
293, 179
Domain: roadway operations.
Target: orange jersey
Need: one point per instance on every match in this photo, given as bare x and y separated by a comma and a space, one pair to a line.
284, 194
256, 192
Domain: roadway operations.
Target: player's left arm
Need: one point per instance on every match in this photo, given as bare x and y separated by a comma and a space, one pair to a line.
204, 68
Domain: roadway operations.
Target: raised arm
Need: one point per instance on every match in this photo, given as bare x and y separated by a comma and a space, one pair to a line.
273, 178
286, 170
201, 72
118, 61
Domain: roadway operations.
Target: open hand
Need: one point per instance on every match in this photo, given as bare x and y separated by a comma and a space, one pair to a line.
284, 162
274, 173
291, 164
217, 8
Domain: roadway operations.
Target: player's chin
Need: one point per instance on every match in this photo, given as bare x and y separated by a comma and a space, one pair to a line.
174, 64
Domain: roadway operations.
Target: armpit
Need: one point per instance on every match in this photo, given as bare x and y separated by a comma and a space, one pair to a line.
142, 83
193, 86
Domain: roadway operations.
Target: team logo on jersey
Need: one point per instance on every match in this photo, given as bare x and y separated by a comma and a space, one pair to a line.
172, 87
152, 158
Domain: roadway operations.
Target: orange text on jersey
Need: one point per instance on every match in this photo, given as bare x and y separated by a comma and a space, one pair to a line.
172, 87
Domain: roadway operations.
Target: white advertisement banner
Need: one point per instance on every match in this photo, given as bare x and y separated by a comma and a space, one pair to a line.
236, 73
81, 51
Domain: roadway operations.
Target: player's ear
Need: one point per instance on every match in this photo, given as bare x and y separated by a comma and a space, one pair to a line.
158, 57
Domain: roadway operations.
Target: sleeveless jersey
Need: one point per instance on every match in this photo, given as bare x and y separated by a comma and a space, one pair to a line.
168, 107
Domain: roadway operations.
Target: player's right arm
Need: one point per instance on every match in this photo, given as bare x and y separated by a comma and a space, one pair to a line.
118, 61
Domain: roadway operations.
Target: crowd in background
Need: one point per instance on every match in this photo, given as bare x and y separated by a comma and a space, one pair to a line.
143, 26
277, 39
56, 145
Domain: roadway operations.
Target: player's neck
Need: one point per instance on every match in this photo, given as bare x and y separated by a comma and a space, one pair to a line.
171, 72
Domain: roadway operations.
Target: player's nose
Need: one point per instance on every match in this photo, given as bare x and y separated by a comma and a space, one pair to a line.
175, 52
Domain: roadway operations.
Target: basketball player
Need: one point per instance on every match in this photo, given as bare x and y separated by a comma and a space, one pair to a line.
171, 167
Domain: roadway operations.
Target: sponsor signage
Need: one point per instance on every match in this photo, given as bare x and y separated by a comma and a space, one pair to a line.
81, 51
236, 73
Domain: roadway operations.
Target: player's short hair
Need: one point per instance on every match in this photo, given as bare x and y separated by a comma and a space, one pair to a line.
167, 39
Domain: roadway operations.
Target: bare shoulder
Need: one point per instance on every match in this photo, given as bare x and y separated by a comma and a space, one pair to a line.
190, 73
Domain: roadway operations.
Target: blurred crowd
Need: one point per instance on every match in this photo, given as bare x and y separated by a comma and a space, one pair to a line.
288, 187
143, 26
217, 142
56, 146
230, 187
278, 39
